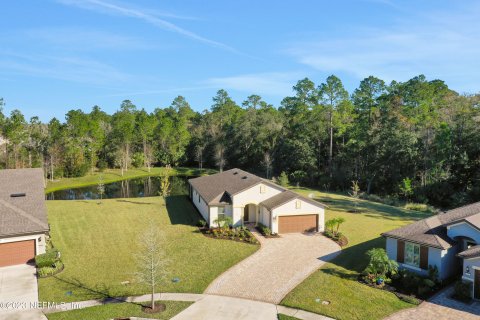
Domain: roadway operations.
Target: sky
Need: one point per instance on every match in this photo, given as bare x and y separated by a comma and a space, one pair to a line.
58, 55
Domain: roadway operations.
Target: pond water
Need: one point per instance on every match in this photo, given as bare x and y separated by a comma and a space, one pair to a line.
131, 188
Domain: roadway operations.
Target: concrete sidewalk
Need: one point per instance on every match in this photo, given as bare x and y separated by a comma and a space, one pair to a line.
206, 306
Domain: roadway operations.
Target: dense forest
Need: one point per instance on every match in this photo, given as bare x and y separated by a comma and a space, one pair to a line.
416, 139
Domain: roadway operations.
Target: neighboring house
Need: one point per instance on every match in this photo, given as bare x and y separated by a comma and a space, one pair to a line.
247, 198
450, 241
23, 218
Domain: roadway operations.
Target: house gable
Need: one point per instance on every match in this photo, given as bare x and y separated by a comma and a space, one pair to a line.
256, 194
464, 229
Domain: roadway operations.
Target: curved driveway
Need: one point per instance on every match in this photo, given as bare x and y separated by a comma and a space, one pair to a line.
276, 268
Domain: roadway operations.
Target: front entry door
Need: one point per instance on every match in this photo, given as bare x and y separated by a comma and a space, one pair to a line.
245, 214
476, 282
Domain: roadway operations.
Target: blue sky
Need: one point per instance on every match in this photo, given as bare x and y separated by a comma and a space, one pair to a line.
56, 55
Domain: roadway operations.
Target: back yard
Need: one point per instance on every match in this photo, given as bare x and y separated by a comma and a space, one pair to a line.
97, 243
337, 281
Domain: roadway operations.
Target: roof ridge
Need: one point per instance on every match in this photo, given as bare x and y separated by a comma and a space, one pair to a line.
24, 214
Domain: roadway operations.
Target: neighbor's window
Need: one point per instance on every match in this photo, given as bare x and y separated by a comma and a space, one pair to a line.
298, 204
412, 254
263, 188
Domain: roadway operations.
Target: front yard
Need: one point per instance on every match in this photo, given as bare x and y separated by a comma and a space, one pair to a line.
97, 243
337, 281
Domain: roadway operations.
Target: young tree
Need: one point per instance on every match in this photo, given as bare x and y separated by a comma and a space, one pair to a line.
380, 265
406, 188
151, 260
355, 193
283, 179
165, 186
100, 187
338, 222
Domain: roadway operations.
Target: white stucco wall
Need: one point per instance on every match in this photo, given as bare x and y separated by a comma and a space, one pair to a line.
251, 196
214, 214
472, 264
200, 205
290, 209
40, 246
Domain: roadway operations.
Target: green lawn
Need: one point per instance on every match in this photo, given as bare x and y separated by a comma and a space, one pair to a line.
337, 281
120, 310
98, 241
112, 175
285, 317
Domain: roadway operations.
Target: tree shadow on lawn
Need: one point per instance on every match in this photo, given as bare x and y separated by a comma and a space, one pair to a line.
382, 211
99, 293
134, 202
354, 258
181, 210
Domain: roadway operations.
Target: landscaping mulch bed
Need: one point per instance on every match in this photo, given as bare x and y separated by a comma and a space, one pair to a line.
250, 239
402, 296
159, 307
342, 241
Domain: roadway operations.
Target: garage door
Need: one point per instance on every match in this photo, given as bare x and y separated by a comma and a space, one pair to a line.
289, 224
16, 252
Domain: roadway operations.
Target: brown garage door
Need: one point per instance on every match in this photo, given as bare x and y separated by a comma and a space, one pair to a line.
289, 224
16, 252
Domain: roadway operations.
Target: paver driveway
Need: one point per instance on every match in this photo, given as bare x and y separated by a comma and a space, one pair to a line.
440, 307
276, 268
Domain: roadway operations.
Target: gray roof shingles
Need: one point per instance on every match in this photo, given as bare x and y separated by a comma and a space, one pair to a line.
22, 215
212, 188
432, 231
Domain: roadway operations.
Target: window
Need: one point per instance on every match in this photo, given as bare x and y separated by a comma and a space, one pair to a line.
298, 204
263, 188
221, 210
412, 254
198, 198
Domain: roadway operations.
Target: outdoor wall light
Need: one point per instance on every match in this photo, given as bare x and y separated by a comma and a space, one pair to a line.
39, 239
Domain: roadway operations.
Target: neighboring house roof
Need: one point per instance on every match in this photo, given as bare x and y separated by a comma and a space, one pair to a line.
432, 231
471, 252
22, 202
284, 197
212, 188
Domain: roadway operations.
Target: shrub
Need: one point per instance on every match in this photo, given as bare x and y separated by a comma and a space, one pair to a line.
50, 270
102, 165
267, 231
422, 207
202, 223
380, 265
138, 160
463, 290
47, 259
283, 179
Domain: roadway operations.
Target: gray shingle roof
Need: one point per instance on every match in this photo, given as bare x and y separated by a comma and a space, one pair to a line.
284, 197
22, 214
471, 252
213, 187
432, 231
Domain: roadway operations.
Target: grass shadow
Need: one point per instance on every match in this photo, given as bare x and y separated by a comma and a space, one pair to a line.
181, 210
134, 202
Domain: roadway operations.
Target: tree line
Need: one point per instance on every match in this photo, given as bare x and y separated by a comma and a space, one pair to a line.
384, 136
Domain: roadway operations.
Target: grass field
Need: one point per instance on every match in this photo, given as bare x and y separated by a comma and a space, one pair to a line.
112, 175
337, 281
98, 242
120, 310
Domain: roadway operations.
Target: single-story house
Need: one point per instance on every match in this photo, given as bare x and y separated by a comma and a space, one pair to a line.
247, 198
23, 216
450, 241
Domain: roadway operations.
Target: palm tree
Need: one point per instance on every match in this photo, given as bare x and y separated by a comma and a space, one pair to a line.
338, 222
330, 224
380, 264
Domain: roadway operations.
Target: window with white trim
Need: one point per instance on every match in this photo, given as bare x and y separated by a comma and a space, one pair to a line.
412, 254
221, 210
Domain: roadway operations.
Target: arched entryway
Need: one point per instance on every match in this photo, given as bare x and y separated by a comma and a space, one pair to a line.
250, 213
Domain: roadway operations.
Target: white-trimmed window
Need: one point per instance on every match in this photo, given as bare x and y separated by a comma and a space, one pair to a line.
412, 254
263, 188
221, 211
298, 204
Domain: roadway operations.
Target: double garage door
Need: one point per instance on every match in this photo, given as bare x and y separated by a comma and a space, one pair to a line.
301, 223
19, 252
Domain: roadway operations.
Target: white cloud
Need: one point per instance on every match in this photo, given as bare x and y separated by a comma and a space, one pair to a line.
273, 83
67, 68
144, 15
443, 45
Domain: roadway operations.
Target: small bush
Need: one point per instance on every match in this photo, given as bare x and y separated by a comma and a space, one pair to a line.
422, 207
463, 290
47, 259
202, 223
51, 270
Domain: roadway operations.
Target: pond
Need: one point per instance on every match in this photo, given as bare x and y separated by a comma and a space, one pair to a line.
131, 188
